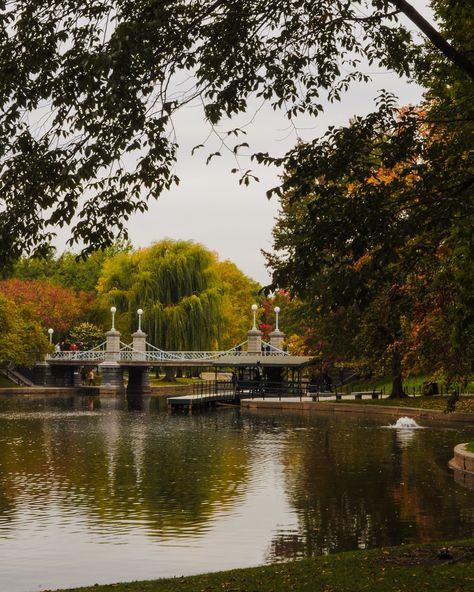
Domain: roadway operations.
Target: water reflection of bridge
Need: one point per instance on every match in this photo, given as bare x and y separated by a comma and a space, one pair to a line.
252, 360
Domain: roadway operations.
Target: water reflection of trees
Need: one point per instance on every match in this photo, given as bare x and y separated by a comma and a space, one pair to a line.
356, 487
170, 475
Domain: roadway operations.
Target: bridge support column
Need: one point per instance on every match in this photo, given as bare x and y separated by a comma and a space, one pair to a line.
110, 370
43, 375
76, 377
138, 380
138, 386
47, 375
111, 378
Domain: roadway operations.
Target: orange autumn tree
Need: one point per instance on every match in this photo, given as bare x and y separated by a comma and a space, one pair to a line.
49, 304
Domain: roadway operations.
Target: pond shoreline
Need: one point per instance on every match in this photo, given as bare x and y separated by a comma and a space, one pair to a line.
363, 409
85, 391
437, 565
285, 403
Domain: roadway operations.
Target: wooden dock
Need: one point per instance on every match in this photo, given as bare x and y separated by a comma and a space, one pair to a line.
190, 402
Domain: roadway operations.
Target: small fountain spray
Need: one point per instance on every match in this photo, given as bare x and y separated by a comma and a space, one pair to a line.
405, 423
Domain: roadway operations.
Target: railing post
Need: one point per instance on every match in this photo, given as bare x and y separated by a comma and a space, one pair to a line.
276, 338
139, 345
254, 341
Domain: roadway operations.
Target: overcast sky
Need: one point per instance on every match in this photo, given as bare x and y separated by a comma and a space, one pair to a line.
210, 207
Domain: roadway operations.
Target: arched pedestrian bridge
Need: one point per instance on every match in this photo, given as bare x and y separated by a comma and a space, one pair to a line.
154, 356
251, 359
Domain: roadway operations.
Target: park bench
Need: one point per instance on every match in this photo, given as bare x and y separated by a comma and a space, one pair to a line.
316, 396
373, 394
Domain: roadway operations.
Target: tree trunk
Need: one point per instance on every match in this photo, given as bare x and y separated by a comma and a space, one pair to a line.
456, 57
169, 374
397, 380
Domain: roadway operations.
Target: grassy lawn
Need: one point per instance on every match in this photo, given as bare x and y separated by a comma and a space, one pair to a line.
442, 567
384, 383
5, 383
438, 402
162, 382
412, 385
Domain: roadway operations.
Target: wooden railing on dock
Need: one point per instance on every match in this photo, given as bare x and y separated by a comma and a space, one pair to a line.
251, 388
267, 388
212, 387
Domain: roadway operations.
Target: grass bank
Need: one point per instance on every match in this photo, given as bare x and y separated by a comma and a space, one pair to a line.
436, 402
5, 383
412, 384
441, 567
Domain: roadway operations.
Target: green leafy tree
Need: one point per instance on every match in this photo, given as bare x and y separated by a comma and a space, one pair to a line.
367, 209
110, 72
22, 339
238, 294
33, 268
359, 219
68, 270
86, 335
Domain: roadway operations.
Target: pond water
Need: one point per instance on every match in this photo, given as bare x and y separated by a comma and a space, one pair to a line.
91, 493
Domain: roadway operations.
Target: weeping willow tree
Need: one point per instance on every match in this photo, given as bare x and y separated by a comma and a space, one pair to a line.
177, 286
178, 289
114, 286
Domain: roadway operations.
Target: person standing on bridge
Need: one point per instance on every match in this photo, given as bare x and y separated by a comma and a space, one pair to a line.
92, 378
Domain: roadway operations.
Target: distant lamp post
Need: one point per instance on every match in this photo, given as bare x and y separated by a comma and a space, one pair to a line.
50, 333
254, 309
139, 313
113, 310
277, 312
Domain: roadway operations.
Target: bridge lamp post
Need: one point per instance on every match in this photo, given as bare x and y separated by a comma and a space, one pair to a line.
254, 309
139, 313
50, 333
277, 312
113, 310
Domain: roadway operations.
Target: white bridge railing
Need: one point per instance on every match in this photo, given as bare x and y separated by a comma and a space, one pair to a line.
97, 354
154, 354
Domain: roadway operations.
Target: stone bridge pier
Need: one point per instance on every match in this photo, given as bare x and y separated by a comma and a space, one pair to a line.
138, 375
112, 368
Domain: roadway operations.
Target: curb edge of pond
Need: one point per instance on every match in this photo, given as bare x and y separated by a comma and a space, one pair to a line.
432, 414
